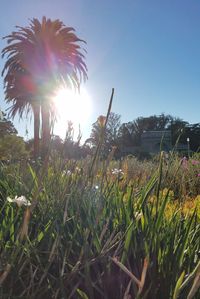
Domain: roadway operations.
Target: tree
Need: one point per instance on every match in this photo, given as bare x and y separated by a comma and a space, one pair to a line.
177, 128
127, 135
41, 58
110, 135
112, 128
191, 132
12, 147
57, 143
130, 133
6, 126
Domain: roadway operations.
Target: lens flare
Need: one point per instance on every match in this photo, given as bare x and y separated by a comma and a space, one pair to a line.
71, 106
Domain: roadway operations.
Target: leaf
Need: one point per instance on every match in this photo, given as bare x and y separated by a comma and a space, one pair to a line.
34, 176
195, 286
131, 275
191, 276
178, 286
82, 294
127, 242
161, 210
184, 241
143, 275
12, 229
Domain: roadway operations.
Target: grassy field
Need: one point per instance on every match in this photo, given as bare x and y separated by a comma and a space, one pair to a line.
100, 229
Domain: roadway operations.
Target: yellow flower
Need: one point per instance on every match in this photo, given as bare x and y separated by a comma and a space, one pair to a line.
190, 204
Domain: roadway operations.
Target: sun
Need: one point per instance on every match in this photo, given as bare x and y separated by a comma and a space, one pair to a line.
71, 106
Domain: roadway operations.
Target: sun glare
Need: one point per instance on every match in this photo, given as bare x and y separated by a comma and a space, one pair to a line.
71, 106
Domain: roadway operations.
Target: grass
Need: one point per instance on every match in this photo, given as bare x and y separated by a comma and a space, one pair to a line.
131, 233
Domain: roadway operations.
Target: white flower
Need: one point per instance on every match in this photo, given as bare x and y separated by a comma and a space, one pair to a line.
66, 173
117, 171
20, 201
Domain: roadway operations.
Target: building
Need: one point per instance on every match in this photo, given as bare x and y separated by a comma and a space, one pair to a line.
154, 141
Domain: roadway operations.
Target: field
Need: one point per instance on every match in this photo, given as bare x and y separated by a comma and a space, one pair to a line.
100, 229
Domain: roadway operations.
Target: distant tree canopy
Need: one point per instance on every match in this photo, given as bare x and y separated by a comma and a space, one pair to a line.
114, 134
6, 126
110, 133
129, 134
193, 133
12, 147
69, 148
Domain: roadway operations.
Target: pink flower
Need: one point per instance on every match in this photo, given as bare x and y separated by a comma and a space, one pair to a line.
195, 162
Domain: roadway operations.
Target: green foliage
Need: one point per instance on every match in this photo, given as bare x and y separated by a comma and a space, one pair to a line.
110, 133
133, 130
12, 147
130, 133
101, 237
6, 126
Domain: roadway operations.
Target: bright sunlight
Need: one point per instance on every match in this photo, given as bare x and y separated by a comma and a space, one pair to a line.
71, 106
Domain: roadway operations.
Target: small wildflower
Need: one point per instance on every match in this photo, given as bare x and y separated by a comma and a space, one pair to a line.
195, 162
117, 171
20, 201
198, 174
66, 173
78, 170
96, 187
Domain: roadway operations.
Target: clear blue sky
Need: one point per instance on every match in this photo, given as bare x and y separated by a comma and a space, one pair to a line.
148, 50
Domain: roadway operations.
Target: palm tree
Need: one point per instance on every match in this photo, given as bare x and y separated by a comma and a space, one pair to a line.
40, 58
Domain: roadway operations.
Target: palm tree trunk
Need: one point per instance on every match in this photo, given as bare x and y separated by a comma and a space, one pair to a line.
36, 112
45, 128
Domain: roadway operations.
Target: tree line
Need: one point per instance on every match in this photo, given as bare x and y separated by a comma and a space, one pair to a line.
116, 135
129, 134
